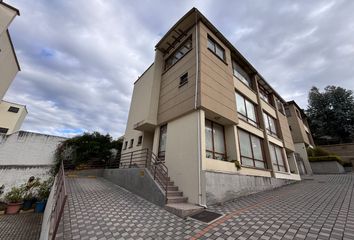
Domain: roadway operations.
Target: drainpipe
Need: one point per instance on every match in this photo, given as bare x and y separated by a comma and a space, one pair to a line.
200, 200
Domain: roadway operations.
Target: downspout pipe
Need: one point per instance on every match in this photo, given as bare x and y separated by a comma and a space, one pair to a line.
200, 200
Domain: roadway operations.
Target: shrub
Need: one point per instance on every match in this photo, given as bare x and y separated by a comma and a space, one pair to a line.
318, 152
326, 159
44, 189
15, 195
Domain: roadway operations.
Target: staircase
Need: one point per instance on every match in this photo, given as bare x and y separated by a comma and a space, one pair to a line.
175, 201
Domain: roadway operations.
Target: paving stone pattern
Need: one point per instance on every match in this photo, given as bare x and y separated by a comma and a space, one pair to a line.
24, 226
322, 208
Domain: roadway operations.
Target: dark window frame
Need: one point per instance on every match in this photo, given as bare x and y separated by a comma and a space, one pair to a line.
264, 95
287, 112
140, 140
253, 159
273, 146
213, 152
183, 79
161, 154
131, 144
216, 45
173, 54
268, 128
298, 113
13, 109
3, 130
248, 79
246, 118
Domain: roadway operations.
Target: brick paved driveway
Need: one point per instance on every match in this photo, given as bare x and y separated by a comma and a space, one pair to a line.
24, 226
322, 208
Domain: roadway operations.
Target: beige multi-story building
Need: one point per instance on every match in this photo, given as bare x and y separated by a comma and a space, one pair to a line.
8, 61
200, 107
11, 117
301, 135
11, 114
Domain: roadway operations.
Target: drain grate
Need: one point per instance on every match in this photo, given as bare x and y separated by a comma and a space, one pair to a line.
206, 216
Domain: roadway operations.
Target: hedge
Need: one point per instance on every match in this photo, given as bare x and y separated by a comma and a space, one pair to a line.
326, 158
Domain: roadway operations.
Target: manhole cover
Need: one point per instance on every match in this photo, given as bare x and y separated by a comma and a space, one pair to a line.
206, 216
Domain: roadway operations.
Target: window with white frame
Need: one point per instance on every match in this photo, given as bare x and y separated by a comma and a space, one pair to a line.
246, 109
277, 157
214, 140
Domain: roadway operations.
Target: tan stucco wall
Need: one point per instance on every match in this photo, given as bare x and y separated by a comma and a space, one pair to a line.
298, 131
175, 101
217, 84
10, 120
182, 154
8, 64
6, 17
285, 131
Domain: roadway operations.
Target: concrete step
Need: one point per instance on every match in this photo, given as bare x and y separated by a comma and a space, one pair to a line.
172, 188
183, 210
177, 199
174, 193
171, 183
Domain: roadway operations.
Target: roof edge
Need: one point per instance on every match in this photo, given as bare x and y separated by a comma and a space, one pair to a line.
13, 50
11, 7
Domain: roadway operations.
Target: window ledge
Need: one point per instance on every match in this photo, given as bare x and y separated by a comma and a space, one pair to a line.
262, 169
257, 127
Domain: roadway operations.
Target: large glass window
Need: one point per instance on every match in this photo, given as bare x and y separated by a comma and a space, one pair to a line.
277, 157
270, 124
214, 140
162, 142
179, 53
246, 109
263, 94
216, 48
251, 150
241, 74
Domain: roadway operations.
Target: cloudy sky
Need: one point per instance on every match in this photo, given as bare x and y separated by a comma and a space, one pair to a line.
79, 58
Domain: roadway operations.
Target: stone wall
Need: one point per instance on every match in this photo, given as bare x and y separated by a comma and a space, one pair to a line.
222, 187
25, 154
345, 151
326, 167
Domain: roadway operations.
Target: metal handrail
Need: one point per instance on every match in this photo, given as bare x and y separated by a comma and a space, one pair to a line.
60, 197
145, 158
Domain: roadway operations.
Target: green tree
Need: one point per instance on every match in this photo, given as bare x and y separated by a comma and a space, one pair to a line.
89, 148
331, 114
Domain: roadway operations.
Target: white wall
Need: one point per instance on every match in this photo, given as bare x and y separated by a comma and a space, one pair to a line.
28, 149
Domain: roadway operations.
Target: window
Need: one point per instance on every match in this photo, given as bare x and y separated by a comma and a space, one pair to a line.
214, 140
287, 112
263, 94
246, 110
241, 74
3, 130
125, 145
179, 53
183, 79
251, 150
216, 48
270, 124
13, 109
280, 106
162, 142
277, 157
131, 143
298, 113
140, 140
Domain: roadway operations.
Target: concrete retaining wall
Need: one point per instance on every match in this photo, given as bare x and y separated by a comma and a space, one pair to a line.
138, 181
326, 167
222, 187
345, 150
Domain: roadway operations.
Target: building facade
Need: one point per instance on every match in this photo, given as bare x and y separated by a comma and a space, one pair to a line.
9, 66
11, 114
301, 135
11, 117
201, 107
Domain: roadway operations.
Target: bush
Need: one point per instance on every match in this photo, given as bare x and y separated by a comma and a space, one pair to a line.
326, 159
44, 189
318, 152
15, 195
